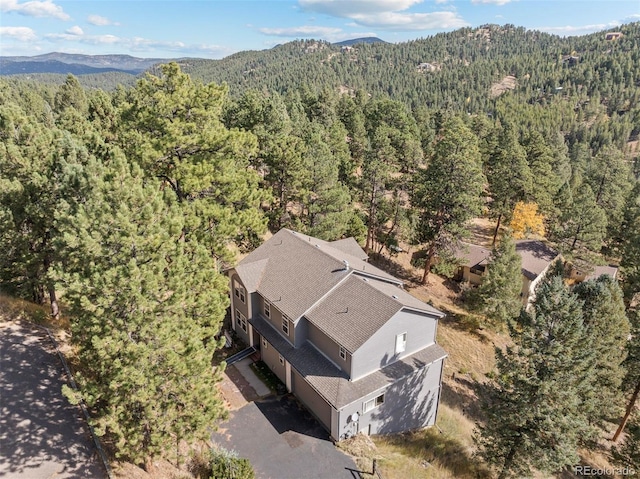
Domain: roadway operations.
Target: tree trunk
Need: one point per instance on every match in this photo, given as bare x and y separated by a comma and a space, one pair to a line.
627, 413
506, 467
495, 233
53, 299
428, 262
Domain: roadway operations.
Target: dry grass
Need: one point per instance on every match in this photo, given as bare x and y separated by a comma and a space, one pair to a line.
442, 452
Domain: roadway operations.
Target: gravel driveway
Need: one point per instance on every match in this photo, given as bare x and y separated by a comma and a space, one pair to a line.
41, 435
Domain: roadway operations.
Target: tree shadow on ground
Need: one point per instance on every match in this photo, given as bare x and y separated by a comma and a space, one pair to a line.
41, 433
467, 397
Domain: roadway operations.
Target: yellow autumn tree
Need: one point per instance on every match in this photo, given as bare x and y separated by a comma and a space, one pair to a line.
526, 220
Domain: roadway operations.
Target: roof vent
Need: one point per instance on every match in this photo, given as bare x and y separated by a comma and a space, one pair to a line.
365, 279
317, 246
394, 297
346, 265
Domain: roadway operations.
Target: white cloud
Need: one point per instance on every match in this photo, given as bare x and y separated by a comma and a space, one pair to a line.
348, 8
492, 2
34, 8
75, 30
22, 34
100, 21
412, 21
569, 30
81, 38
302, 31
139, 44
386, 14
440, 2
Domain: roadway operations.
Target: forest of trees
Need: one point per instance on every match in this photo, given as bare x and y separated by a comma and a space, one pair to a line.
127, 207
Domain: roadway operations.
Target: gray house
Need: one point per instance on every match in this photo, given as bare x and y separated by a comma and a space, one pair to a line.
343, 336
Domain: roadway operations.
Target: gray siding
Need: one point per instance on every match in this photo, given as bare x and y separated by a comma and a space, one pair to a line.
379, 350
301, 332
275, 318
311, 399
238, 305
410, 403
328, 347
271, 358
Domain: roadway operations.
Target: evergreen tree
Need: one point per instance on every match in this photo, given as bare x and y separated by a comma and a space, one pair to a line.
508, 175
145, 306
498, 297
630, 239
631, 382
448, 192
608, 329
172, 126
534, 414
583, 222
628, 454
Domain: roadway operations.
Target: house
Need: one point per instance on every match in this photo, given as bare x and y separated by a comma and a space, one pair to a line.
536, 258
586, 272
343, 336
613, 36
473, 261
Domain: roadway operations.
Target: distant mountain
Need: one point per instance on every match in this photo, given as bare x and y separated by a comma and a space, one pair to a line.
76, 64
8, 67
355, 41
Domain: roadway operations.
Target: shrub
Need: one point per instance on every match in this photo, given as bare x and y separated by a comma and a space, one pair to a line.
220, 463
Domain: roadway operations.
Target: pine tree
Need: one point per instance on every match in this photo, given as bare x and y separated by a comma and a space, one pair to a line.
508, 175
608, 329
630, 239
448, 192
145, 306
583, 222
498, 297
534, 415
172, 126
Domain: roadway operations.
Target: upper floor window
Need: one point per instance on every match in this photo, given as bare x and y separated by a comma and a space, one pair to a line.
343, 353
285, 325
267, 308
240, 292
401, 342
373, 403
241, 320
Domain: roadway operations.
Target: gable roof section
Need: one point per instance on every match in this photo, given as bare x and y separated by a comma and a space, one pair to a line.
352, 313
472, 255
351, 247
598, 271
536, 256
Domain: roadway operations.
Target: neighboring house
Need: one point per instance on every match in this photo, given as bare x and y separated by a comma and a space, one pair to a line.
536, 258
613, 35
343, 336
473, 263
578, 275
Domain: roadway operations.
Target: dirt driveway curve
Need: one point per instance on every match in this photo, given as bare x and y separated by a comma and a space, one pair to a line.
41, 435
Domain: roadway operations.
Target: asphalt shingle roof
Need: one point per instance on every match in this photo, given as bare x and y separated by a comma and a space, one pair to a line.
536, 256
349, 246
472, 255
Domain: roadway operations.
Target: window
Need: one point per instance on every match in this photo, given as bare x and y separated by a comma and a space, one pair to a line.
241, 320
240, 292
285, 325
477, 269
264, 343
281, 359
373, 403
401, 342
343, 353
267, 308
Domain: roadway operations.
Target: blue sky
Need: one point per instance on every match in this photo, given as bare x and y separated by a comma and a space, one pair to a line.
214, 29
